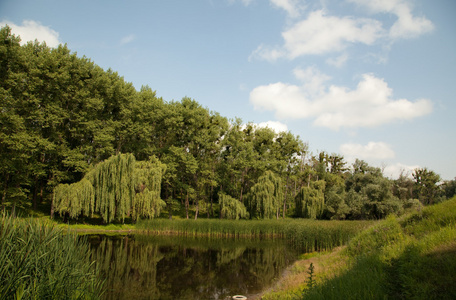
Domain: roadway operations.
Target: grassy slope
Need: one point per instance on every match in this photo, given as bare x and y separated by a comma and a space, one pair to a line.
412, 257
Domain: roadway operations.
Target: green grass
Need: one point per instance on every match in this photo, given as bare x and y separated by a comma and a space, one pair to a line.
41, 261
307, 235
412, 257
304, 234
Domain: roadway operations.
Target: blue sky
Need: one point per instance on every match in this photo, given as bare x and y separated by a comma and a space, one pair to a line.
371, 79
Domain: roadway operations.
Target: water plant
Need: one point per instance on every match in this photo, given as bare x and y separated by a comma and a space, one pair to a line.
41, 261
307, 235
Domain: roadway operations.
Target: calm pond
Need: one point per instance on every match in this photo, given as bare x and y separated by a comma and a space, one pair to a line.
167, 267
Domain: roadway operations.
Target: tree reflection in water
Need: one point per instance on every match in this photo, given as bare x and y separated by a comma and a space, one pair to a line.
165, 267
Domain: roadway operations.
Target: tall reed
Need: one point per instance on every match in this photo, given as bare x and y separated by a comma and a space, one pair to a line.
41, 261
307, 235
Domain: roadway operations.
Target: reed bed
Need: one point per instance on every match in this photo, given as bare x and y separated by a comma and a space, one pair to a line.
306, 235
40, 261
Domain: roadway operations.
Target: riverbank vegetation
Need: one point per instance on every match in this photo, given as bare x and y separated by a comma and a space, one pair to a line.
305, 235
41, 261
410, 257
68, 127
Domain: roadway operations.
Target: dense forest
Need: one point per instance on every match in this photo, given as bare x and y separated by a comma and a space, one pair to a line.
81, 141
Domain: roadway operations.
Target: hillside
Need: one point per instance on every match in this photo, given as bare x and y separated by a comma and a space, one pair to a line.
412, 257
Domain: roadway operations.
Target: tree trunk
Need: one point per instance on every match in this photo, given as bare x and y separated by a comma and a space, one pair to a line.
212, 209
285, 198
5, 190
186, 205
196, 202
41, 192
197, 210
35, 193
170, 206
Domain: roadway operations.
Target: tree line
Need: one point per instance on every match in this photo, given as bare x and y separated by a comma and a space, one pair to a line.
67, 126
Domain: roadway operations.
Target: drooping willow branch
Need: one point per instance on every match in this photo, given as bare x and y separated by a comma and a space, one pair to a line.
117, 188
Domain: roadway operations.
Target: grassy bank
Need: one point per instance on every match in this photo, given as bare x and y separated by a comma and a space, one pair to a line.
41, 261
305, 234
412, 257
308, 235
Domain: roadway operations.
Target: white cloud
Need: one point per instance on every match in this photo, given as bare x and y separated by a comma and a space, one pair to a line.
274, 125
245, 2
407, 25
267, 53
313, 80
127, 39
373, 150
292, 7
394, 171
320, 34
338, 61
31, 30
369, 105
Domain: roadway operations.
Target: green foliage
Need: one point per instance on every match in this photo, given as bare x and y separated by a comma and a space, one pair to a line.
375, 238
40, 261
408, 258
311, 280
62, 114
116, 188
426, 185
306, 235
266, 196
75, 199
369, 194
148, 176
449, 188
310, 200
335, 206
231, 208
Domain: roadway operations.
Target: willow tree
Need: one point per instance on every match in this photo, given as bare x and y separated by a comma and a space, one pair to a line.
147, 202
117, 188
75, 199
266, 195
231, 208
310, 201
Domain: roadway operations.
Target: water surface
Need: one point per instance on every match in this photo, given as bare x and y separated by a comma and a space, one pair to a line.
164, 267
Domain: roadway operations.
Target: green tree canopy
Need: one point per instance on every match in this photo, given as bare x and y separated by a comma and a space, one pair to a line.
310, 201
265, 196
117, 188
426, 181
231, 208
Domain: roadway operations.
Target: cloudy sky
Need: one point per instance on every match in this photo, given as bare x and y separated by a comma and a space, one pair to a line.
368, 79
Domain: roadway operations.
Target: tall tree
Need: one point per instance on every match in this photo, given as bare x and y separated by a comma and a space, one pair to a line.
117, 188
426, 182
310, 201
148, 178
369, 193
17, 142
449, 188
265, 196
231, 208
